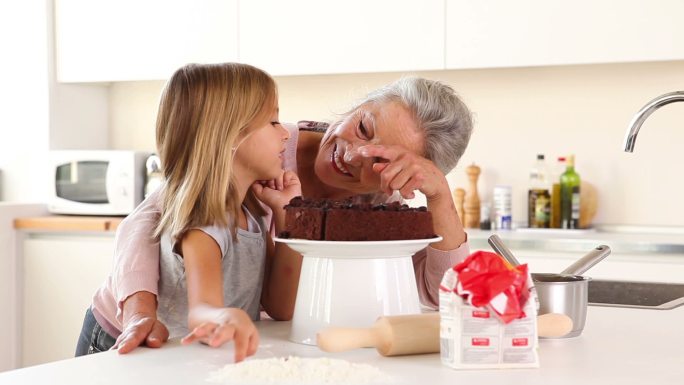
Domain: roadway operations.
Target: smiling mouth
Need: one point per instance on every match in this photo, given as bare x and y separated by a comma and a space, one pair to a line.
337, 164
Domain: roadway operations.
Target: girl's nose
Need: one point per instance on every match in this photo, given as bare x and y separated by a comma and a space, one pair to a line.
286, 133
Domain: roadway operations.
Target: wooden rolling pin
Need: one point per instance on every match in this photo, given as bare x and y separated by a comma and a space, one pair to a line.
553, 325
391, 336
413, 334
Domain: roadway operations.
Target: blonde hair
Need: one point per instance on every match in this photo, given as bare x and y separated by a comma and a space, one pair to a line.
204, 111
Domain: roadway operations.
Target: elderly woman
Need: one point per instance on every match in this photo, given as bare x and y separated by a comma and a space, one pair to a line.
401, 138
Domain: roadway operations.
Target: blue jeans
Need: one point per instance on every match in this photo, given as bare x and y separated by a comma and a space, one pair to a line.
93, 338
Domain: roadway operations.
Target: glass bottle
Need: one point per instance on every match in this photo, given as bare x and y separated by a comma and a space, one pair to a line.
539, 196
555, 192
570, 196
503, 197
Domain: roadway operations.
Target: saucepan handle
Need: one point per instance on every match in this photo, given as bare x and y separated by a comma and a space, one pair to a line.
588, 261
501, 249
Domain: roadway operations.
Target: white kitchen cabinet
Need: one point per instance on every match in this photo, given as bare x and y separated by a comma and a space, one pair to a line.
300, 37
11, 250
61, 272
106, 40
502, 33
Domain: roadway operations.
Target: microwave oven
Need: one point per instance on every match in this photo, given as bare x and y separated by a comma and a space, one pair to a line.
96, 182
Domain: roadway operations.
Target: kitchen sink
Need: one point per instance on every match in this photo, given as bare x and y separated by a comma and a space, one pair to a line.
642, 295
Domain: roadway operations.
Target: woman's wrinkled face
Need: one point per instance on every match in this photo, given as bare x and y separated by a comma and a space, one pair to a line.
337, 163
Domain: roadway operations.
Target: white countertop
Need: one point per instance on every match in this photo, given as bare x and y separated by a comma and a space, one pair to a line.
618, 346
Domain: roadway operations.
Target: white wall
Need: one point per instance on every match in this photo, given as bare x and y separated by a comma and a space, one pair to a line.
38, 114
23, 98
79, 116
79, 113
519, 112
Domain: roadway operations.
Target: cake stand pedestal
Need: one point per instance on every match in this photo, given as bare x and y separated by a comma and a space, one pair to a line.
351, 284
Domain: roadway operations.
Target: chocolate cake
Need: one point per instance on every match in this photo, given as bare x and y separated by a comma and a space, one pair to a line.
324, 219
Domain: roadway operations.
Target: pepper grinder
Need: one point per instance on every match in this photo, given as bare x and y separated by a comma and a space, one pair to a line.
471, 204
458, 194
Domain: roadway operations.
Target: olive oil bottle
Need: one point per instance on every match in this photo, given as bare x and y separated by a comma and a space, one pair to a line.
538, 195
558, 169
570, 195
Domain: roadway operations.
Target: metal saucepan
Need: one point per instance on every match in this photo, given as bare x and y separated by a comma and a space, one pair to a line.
566, 293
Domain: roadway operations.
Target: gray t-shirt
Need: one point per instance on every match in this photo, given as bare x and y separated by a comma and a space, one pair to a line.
242, 263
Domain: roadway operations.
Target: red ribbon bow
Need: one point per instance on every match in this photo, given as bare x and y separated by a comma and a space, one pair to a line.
487, 280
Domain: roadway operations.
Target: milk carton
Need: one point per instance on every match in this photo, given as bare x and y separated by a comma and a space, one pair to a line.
473, 337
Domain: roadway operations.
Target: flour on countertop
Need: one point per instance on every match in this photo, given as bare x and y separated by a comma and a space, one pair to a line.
298, 370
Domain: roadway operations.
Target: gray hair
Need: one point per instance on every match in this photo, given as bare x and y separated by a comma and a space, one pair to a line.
442, 115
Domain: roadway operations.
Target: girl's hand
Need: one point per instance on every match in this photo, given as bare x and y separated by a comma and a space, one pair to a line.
278, 192
405, 172
232, 324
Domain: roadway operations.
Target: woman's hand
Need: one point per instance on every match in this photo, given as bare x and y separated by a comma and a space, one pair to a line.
145, 330
140, 324
405, 172
278, 192
228, 324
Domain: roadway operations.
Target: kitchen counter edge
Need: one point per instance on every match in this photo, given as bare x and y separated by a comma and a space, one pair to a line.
68, 223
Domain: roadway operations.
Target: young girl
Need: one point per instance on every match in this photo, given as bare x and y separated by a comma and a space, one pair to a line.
219, 138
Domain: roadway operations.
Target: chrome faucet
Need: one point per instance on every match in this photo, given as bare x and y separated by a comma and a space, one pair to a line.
645, 112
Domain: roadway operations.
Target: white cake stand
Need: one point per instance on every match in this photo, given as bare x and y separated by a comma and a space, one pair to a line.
351, 284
